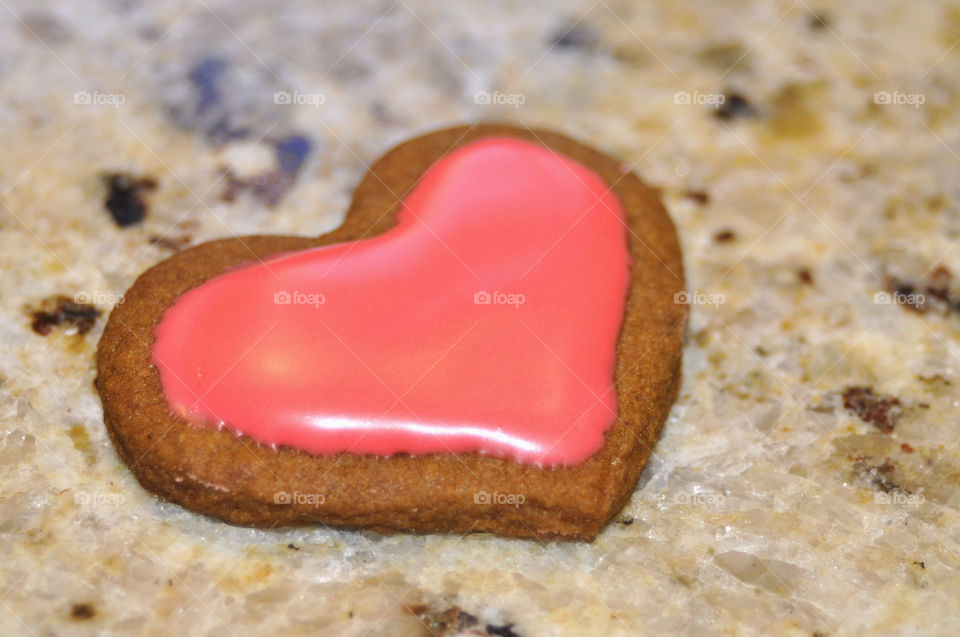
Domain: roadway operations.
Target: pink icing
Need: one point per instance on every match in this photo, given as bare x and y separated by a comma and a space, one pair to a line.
379, 346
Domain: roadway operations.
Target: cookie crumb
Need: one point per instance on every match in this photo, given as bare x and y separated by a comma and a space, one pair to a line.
880, 411
124, 199
62, 309
83, 611
905, 448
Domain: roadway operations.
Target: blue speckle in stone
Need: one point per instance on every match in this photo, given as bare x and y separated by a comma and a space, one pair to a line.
292, 153
205, 76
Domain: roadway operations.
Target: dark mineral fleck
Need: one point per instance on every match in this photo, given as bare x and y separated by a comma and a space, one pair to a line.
61, 309
503, 631
577, 36
735, 106
938, 284
885, 475
725, 236
83, 611
880, 411
935, 292
271, 186
699, 196
454, 621
818, 21
268, 187
124, 199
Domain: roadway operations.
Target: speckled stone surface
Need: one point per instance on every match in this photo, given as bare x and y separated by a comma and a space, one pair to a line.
818, 206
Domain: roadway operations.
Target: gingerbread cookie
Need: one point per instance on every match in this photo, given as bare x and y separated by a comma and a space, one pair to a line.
490, 342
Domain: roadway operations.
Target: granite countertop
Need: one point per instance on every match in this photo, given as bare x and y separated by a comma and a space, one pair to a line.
807, 479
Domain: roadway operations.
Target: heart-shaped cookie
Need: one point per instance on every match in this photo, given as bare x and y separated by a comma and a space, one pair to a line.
489, 342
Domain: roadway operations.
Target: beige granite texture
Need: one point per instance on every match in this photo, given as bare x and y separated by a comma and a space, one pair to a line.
809, 153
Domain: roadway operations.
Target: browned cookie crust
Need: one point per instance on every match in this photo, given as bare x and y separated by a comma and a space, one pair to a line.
236, 479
